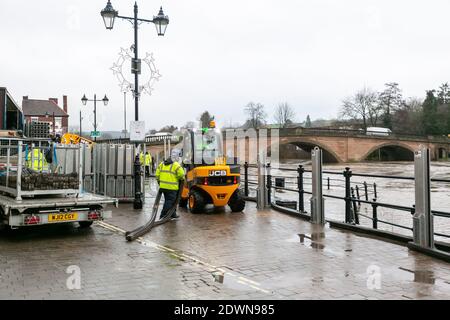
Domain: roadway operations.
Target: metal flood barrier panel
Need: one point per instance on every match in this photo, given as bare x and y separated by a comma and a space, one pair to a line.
107, 169
67, 158
88, 173
113, 170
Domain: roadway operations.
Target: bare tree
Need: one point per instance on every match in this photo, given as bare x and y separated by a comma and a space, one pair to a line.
256, 115
363, 105
409, 118
189, 125
284, 114
169, 128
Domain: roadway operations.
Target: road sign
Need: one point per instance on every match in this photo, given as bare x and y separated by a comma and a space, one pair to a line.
95, 134
137, 131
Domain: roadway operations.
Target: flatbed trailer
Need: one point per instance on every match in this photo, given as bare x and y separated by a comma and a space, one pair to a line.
46, 196
84, 209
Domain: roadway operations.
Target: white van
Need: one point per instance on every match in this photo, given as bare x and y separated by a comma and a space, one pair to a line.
378, 131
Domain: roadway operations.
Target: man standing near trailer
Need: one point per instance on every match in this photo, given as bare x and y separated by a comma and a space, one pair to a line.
35, 160
148, 163
169, 174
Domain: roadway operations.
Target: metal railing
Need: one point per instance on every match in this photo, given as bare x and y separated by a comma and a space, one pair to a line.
353, 196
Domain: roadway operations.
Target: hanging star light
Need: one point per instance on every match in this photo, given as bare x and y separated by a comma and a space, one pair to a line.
147, 88
125, 55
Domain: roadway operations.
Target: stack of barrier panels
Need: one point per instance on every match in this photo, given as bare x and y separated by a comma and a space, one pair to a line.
40, 130
32, 180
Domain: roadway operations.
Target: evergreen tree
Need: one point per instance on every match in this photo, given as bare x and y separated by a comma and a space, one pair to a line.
430, 114
444, 94
444, 102
205, 119
308, 123
390, 101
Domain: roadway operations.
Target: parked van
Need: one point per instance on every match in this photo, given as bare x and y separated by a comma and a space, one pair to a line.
378, 131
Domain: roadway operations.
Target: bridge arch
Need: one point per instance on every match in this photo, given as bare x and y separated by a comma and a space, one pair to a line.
329, 156
443, 153
390, 151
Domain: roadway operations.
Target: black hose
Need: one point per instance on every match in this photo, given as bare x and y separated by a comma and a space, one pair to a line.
140, 231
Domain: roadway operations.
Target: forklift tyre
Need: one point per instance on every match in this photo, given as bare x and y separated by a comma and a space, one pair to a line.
196, 202
237, 202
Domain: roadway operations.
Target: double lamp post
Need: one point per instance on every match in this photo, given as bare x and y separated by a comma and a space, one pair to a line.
85, 100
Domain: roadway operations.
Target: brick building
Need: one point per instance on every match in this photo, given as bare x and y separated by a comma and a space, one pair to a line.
45, 111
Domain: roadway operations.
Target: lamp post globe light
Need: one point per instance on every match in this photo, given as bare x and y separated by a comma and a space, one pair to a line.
85, 100
109, 14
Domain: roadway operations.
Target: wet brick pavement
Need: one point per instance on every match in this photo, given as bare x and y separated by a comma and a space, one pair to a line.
218, 255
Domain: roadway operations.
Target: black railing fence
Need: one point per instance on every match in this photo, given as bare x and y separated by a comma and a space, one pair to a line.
356, 193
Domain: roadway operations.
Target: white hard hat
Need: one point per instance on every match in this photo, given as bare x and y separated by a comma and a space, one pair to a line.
175, 154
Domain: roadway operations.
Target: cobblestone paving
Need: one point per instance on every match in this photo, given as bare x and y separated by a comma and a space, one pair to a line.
218, 255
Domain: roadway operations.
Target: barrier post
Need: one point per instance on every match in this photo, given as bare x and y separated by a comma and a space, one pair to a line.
246, 179
317, 200
365, 191
261, 197
423, 233
348, 199
269, 185
374, 214
301, 192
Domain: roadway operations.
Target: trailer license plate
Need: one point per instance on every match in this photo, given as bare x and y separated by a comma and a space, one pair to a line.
62, 217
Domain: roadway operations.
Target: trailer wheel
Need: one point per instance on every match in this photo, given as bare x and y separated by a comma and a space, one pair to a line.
196, 202
85, 224
237, 202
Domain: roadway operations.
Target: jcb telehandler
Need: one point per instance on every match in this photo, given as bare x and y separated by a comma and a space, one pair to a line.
209, 179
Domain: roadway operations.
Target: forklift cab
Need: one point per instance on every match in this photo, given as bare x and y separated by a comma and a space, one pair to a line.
202, 147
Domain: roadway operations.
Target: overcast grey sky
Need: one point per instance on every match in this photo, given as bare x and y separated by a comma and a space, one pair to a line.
219, 55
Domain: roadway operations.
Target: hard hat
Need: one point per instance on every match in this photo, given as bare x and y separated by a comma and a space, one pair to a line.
175, 154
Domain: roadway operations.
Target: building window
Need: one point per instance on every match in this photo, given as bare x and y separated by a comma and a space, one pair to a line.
58, 125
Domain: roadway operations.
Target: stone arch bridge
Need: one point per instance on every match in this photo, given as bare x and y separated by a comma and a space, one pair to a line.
339, 146
343, 146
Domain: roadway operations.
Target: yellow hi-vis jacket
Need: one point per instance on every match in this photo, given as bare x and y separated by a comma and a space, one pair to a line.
141, 158
169, 175
148, 159
37, 161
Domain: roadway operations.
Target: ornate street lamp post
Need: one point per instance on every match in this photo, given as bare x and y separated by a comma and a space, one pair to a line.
160, 21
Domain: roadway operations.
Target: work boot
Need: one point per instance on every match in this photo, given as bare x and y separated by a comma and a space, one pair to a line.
175, 217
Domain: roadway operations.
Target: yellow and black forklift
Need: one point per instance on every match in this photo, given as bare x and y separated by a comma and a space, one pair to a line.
209, 179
